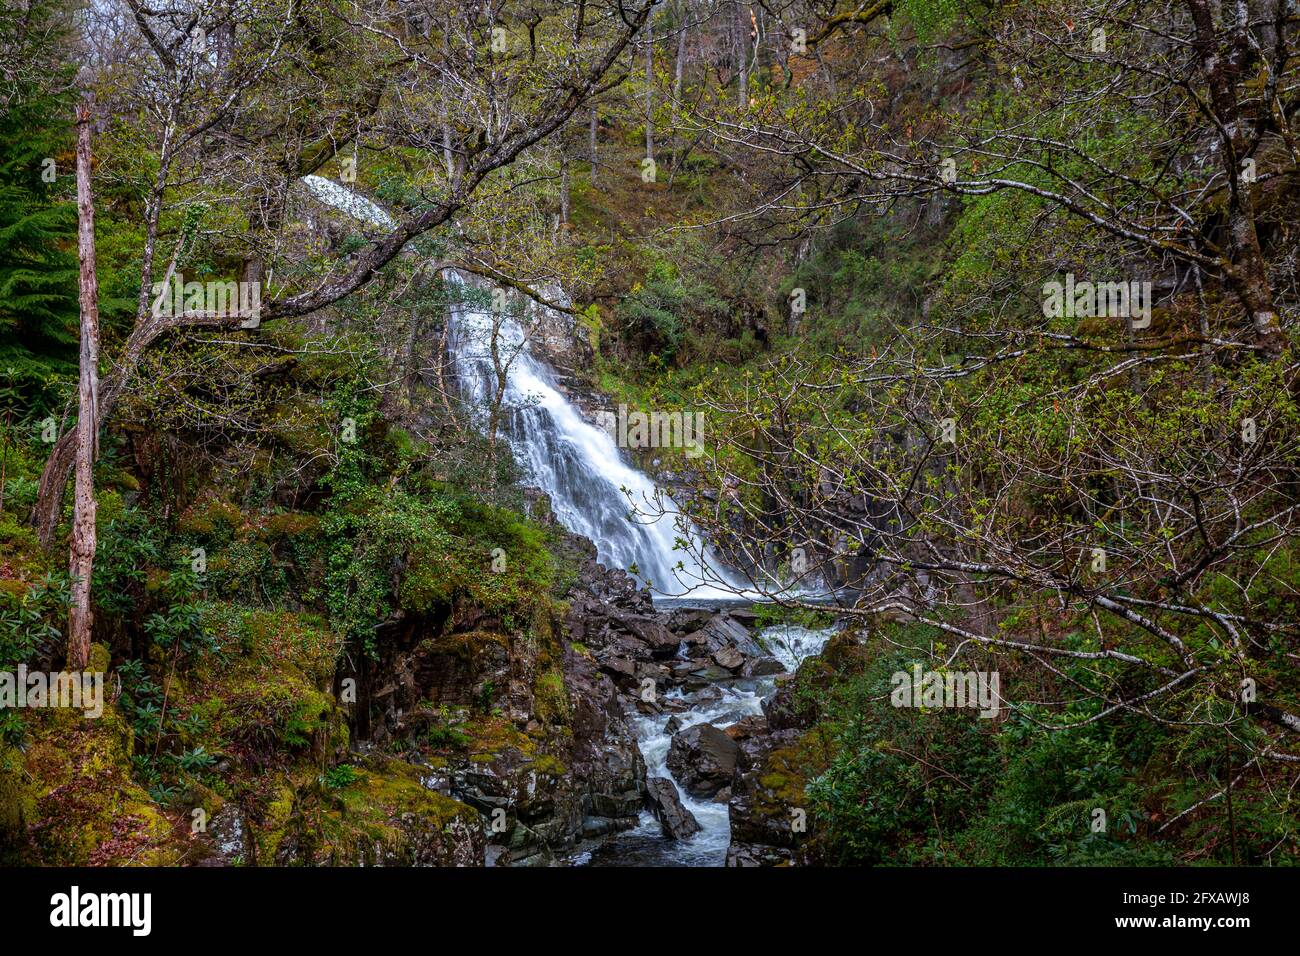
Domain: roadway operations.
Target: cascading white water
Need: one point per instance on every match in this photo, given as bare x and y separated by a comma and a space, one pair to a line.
576, 464
583, 471
593, 490
646, 845
347, 201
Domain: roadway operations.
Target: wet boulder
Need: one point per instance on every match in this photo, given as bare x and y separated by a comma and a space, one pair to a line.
703, 759
685, 621
729, 657
724, 630
678, 823
762, 667
751, 725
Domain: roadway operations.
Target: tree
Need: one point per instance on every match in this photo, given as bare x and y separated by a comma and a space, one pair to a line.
81, 559
499, 90
1101, 489
37, 224
1076, 136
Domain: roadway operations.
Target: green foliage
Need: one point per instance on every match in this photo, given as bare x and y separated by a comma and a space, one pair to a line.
447, 731
179, 626
930, 18
897, 770
130, 544
341, 776
31, 619
657, 313
38, 263
177, 633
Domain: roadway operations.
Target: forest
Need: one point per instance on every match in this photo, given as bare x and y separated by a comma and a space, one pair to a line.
611, 433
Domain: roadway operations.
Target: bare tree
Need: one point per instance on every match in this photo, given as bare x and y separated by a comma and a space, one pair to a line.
493, 99
82, 553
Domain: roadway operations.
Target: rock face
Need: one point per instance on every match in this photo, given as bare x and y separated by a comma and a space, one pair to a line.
520, 722
678, 823
725, 631
386, 817
646, 653
703, 759
767, 817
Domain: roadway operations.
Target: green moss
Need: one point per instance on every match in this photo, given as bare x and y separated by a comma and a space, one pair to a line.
384, 816
551, 697
79, 804
208, 516
545, 763
274, 820
290, 524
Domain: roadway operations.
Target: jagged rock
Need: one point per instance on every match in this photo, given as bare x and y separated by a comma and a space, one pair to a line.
703, 759
604, 756
708, 694
756, 854
604, 826
762, 667
677, 822
655, 672
704, 676
729, 657
673, 726
648, 631
619, 665
783, 710
619, 806
722, 630
748, 726
682, 670
685, 621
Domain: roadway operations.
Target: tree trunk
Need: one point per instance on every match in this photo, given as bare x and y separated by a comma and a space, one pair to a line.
564, 189
742, 41
677, 78
82, 553
649, 91
1224, 65
446, 127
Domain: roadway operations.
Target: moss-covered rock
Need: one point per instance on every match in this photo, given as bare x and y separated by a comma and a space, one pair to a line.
76, 802
384, 815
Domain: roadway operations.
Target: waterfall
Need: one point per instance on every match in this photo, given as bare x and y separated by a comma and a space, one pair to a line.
593, 489
347, 201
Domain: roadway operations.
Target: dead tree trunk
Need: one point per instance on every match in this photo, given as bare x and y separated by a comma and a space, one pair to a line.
678, 70
81, 558
649, 91
742, 62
